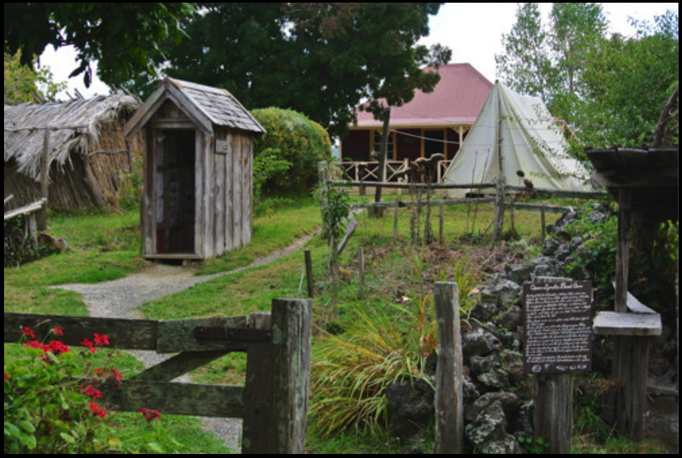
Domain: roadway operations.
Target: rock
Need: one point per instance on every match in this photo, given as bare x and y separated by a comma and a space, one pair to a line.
508, 292
511, 319
495, 379
520, 273
470, 393
546, 267
550, 247
488, 422
488, 430
411, 404
489, 372
568, 217
505, 445
512, 363
575, 243
597, 216
484, 311
509, 402
479, 342
562, 253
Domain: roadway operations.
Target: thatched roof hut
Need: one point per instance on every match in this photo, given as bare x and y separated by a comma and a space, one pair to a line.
89, 157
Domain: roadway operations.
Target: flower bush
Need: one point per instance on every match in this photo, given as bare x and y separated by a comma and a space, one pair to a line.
51, 404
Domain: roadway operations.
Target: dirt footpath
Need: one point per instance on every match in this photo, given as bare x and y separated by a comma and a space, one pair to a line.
120, 299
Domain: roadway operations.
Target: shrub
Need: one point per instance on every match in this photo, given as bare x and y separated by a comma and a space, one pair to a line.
297, 140
52, 405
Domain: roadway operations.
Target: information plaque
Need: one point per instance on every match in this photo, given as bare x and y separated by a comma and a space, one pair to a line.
558, 327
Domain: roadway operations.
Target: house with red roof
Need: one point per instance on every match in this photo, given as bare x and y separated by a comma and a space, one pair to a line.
431, 123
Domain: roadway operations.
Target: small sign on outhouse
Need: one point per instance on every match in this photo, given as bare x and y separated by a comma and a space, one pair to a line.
198, 193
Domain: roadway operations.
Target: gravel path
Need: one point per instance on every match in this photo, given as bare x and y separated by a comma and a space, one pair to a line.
120, 299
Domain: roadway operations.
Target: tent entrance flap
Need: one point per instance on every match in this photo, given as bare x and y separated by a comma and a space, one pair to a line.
175, 191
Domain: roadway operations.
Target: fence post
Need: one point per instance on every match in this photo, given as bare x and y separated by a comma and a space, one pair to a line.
449, 376
277, 381
309, 274
498, 224
440, 226
362, 273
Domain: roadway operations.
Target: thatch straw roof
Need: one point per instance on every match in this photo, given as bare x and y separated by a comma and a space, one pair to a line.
74, 127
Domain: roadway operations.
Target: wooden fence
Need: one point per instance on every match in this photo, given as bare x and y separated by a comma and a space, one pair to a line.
500, 199
274, 401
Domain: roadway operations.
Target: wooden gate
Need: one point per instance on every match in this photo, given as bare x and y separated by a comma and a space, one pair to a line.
273, 403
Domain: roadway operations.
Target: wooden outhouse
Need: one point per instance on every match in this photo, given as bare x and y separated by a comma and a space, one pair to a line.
198, 193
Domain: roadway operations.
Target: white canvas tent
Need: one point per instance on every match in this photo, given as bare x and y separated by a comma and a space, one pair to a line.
515, 133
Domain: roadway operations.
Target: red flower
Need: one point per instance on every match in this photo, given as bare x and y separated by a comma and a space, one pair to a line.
115, 375
111, 375
57, 348
94, 392
59, 330
97, 410
28, 332
33, 344
6, 376
88, 344
150, 415
101, 340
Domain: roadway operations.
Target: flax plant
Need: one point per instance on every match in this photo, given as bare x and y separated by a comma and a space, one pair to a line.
351, 371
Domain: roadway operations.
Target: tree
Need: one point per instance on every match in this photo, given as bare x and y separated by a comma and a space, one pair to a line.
378, 42
24, 84
547, 62
122, 37
320, 59
610, 90
626, 110
526, 65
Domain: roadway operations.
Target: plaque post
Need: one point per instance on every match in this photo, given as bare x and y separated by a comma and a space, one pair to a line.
557, 337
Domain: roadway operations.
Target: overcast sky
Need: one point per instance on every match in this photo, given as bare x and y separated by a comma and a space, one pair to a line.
472, 30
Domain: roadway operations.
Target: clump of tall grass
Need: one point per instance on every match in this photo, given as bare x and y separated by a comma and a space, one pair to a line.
382, 343
351, 371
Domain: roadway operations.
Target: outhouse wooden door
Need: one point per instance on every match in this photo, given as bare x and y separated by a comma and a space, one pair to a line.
175, 194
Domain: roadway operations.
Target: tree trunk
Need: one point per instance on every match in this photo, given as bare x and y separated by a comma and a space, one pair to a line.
378, 212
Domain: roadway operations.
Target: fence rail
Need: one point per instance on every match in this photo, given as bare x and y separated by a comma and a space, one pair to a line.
273, 403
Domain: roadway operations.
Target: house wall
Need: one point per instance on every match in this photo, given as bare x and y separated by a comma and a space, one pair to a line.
356, 146
408, 146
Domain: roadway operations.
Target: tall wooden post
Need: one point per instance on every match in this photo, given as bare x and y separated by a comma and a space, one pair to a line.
449, 374
623, 253
44, 180
277, 381
553, 410
632, 353
309, 274
499, 211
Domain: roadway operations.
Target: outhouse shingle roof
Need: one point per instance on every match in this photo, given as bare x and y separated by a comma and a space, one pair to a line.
205, 105
221, 107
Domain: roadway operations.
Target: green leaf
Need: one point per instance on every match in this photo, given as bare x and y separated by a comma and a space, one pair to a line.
68, 438
27, 426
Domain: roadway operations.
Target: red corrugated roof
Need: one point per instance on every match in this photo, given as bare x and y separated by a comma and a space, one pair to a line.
457, 99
